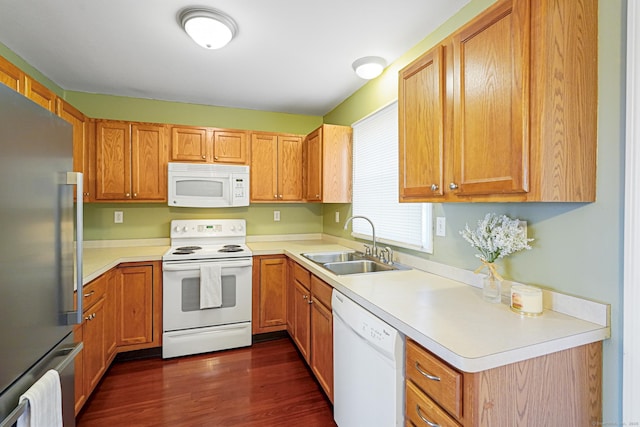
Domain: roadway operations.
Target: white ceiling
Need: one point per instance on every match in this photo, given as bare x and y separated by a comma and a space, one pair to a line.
290, 56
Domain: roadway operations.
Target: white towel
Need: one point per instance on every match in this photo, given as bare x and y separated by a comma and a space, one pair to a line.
210, 286
45, 402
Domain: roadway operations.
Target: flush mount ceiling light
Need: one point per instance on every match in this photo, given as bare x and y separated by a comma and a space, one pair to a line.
369, 67
209, 28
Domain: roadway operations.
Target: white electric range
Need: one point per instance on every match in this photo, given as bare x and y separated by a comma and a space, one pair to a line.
197, 248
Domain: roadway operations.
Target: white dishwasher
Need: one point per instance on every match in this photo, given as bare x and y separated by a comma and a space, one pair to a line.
368, 368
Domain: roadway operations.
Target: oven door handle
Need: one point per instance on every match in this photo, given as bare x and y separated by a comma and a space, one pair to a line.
196, 266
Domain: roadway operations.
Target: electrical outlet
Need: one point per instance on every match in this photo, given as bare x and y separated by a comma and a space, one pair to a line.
523, 227
337, 216
441, 224
118, 217
276, 215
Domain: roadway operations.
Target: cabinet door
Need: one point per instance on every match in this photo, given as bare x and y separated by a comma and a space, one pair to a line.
264, 167
421, 115
94, 351
313, 166
491, 102
270, 301
189, 144
290, 168
110, 340
302, 322
80, 396
148, 162
39, 94
113, 160
80, 141
11, 76
134, 306
322, 346
230, 147
290, 296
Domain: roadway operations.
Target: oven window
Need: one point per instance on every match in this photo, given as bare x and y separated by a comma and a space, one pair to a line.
200, 188
191, 293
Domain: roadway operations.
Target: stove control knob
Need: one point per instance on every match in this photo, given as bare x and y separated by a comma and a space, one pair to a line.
185, 229
239, 228
177, 228
233, 228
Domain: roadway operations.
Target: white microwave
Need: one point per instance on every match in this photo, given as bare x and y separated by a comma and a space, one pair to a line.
208, 185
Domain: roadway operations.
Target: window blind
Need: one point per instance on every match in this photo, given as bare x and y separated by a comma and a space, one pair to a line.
375, 186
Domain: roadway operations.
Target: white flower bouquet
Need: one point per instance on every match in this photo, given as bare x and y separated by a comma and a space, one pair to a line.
496, 237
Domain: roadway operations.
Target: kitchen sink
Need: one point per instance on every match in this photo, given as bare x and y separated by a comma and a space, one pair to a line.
356, 267
325, 257
344, 263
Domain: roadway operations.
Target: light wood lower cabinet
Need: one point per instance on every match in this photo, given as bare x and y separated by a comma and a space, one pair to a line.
269, 308
91, 363
138, 305
562, 388
122, 311
321, 358
311, 323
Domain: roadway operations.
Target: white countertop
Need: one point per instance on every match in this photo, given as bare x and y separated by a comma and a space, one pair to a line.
446, 316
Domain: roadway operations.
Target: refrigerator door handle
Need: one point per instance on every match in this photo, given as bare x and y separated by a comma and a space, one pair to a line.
76, 178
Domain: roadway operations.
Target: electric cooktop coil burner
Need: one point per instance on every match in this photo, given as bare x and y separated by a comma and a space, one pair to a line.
188, 248
183, 252
231, 248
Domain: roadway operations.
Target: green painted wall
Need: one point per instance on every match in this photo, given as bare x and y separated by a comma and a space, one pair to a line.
149, 110
145, 221
579, 247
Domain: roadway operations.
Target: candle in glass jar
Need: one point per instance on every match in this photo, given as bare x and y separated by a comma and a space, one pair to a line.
526, 300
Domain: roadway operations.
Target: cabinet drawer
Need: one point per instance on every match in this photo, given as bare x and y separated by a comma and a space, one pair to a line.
421, 410
93, 292
445, 384
321, 291
302, 276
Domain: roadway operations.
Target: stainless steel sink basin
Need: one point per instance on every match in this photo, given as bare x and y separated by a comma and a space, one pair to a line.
347, 262
325, 257
357, 267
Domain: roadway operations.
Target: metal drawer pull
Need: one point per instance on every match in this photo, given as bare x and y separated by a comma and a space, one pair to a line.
422, 417
89, 294
431, 377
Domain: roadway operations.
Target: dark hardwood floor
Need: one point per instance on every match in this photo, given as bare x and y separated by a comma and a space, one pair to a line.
267, 384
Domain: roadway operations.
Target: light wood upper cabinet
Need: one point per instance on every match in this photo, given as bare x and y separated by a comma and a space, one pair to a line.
505, 109
230, 147
81, 142
209, 145
131, 161
491, 64
328, 164
421, 106
11, 76
189, 144
276, 167
39, 93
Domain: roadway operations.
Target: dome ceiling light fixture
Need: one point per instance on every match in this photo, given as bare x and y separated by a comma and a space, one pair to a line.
209, 28
369, 67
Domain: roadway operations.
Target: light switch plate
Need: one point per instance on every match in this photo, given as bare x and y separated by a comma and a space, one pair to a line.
276, 216
118, 217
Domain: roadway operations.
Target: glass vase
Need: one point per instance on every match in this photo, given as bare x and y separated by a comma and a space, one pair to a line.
492, 287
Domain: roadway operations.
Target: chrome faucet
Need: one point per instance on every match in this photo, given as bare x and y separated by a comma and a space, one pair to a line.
373, 231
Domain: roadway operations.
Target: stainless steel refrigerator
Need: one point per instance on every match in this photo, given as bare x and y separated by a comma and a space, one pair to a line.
38, 223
